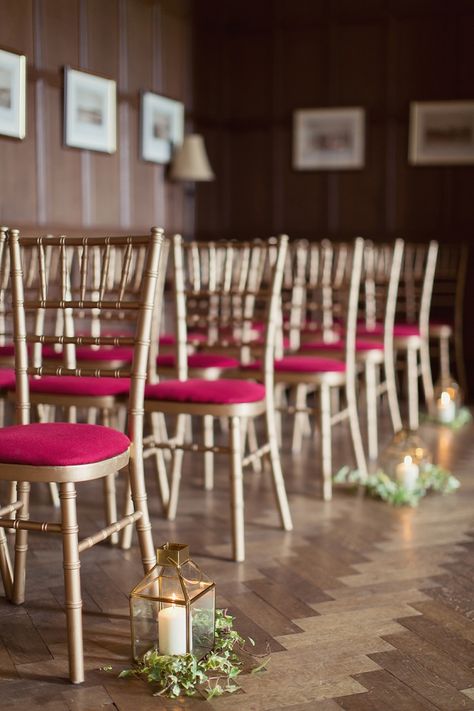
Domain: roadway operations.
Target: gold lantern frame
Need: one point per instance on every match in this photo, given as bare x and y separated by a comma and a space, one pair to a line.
173, 556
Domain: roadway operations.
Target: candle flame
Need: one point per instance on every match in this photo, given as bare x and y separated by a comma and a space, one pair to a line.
445, 398
407, 460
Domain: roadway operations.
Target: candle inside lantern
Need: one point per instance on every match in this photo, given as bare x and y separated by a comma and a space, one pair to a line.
446, 408
172, 630
407, 473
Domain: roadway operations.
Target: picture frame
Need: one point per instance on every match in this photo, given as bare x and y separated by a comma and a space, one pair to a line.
12, 94
441, 133
90, 111
329, 139
162, 127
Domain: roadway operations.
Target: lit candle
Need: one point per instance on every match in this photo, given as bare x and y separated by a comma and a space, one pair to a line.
172, 630
407, 473
446, 408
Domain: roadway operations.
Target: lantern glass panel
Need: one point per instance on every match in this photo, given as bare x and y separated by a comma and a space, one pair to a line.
203, 613
406, 447
173, 611
448, 399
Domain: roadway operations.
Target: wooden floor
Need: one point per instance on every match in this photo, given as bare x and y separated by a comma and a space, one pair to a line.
363, 607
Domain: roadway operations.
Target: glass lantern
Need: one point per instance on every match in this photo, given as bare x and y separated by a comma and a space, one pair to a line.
405, 457
172, 609
447, 400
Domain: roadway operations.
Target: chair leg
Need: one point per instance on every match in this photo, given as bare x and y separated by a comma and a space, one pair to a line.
326, 447
412, 377
371, 396
444, 365
6, 571
163, 485
21, 545
277, 474
110, 495
426, 377
139, 497
72, 581
279, 399
299, 422
125, 536
208, 425
176, 468
236, 490
392, 394
249, 434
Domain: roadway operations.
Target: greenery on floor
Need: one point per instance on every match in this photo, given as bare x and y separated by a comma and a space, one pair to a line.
380, 485
462, 418
185, 675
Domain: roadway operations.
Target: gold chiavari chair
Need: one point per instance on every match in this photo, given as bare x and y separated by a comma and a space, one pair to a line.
223, 305
411, 338
324, 302
447, 310
374, 336
70, 453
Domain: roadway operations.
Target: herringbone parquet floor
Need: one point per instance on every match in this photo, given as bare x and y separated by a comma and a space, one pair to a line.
363, 607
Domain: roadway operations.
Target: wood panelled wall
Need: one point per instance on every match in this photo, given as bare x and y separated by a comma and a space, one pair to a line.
142, 44
255, 63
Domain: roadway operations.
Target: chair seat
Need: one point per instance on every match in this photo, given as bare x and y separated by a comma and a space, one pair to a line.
338, 346
60, 444
216, 392
302, 364
199, 360
7, 378
85, 386
7, 350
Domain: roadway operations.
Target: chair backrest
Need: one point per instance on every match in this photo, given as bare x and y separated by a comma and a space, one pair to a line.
416, 283
219, 287
75, 293
325, 293
380, 278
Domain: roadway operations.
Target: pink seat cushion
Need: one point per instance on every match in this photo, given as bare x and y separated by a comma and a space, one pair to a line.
85, 386
60, 444
7, 378
338, 346
199, 360
123, 353
399, 329
406, 329
302, 364
376, 330
104, 353
167, 339
308, 364
215, 392
7, 350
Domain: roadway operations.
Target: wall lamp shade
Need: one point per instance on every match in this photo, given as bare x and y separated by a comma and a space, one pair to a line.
190, 161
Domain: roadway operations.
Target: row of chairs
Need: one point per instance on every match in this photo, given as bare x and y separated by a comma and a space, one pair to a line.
260, 328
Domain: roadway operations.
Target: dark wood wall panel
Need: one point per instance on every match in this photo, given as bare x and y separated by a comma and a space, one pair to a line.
43, 183
255, 65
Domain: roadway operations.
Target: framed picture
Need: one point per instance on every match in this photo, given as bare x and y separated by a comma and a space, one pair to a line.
90, 111
328, 139
441, 133
162, 127
12, 94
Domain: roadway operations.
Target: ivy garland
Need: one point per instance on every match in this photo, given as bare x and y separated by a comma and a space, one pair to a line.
186, 675
381, 486
462, 418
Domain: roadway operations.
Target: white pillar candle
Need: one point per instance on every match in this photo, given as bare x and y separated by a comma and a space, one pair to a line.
446, 408
172, 630
407, 473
